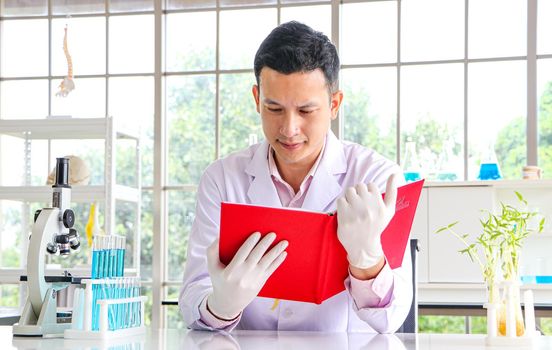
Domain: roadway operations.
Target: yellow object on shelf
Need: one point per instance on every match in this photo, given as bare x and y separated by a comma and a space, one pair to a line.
92, 228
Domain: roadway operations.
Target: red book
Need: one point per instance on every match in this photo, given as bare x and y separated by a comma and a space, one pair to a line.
316, 264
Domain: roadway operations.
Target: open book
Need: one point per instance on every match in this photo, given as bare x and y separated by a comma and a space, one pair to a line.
316, 264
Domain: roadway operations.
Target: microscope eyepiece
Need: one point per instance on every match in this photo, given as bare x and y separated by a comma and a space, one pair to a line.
62, 172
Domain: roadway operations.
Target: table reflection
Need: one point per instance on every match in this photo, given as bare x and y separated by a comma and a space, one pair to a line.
135, 342
244, 340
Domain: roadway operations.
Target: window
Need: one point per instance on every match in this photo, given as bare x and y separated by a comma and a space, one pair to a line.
416, 70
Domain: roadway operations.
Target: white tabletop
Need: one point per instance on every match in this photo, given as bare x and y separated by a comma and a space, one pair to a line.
243, 340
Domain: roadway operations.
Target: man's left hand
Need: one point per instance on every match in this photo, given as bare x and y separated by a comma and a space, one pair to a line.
362, 215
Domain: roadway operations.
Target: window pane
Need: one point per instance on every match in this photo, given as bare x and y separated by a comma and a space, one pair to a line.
11, 226
497, 116
71, 7
181, 215
39, 162
85, 42
11, 8
189, 4
432, 105
502, 23
174, 317
126, 167
146, 234
130, 6
131, 48
544, 100
86, 101
240, 122
420, 38
374, 25
317, 17
125, 225
235, 52
24, 48
131, 101
369, 111
544, 27
147, 292
131, 104
228, 3
10, 295
16, 95
12, 161
191, 127
187, 51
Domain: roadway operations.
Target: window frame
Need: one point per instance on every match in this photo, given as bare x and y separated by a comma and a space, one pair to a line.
160, 187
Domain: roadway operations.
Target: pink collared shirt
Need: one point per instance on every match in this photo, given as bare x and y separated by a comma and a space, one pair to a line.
374, 293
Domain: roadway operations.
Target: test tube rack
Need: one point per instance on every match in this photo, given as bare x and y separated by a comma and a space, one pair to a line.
81, 326
530, 337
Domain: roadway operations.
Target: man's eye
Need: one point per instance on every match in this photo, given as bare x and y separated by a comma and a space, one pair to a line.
306, 111
274, 110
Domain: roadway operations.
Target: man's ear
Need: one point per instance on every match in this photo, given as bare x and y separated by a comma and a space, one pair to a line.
256, 93
335, 103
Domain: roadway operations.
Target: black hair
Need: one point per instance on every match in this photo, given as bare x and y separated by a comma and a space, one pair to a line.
295, 47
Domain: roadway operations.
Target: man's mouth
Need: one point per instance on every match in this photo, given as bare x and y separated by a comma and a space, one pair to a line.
291, 145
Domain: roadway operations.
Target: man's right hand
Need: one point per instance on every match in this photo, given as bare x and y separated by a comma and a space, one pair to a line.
236, 285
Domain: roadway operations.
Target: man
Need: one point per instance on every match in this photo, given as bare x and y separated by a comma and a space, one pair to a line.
302, 165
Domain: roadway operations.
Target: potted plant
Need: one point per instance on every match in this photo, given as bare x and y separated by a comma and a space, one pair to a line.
499, 244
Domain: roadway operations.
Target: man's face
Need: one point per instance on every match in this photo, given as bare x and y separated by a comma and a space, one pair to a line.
296, 111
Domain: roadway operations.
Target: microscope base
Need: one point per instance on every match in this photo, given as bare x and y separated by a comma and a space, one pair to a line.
46, 323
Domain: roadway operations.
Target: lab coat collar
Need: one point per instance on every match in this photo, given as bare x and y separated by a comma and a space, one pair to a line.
323, 189
262, 190
325, 186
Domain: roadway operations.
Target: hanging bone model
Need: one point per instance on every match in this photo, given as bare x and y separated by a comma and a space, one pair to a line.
67, 84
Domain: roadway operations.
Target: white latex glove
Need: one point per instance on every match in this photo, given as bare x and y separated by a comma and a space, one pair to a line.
362, 215
236, 285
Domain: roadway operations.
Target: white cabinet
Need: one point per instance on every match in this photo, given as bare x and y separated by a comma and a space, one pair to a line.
448, 205
107, 194
419, 231
444, 274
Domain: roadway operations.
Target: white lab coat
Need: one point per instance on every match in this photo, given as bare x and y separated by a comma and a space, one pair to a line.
243, 177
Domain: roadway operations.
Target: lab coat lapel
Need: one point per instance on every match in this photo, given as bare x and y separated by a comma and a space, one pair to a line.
325, 188
261, 190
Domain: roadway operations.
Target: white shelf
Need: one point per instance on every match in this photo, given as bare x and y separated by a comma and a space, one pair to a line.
106, 129
79, 194
472, 292
543, 183
63, 128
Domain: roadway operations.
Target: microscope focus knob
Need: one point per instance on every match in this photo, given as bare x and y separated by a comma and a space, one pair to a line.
51, 248
68, 218
74, 242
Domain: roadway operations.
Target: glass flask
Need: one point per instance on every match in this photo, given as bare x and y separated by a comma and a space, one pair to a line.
411, 165
489, 169
446, 164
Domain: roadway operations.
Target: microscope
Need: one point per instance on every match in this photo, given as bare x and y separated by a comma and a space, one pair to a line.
52, 233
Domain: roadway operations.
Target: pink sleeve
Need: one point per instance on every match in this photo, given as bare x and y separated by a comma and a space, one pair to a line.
374, 293
210, 320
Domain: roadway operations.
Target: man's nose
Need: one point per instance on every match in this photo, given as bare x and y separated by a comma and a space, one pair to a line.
290, 125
